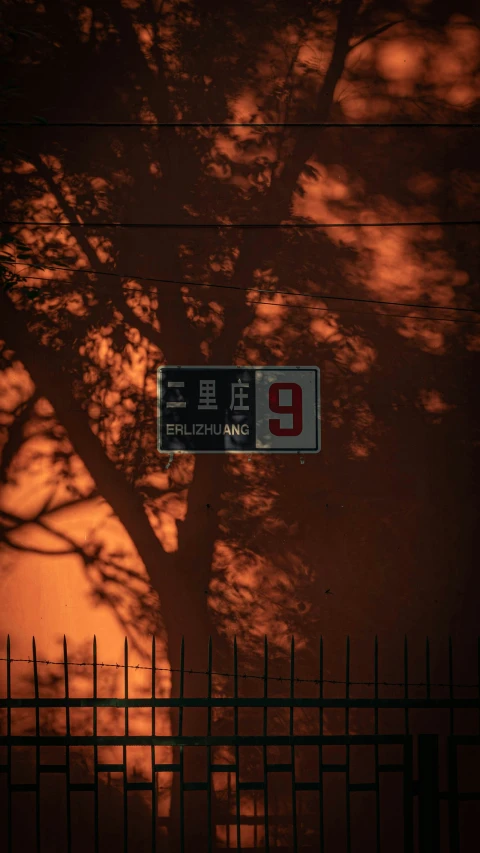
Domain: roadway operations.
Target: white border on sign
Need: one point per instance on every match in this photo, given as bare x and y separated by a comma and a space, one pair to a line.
238, 367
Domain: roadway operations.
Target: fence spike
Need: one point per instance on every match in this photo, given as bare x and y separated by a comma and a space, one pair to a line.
405, 663
478, 677
94, 669
65, 664
405, 680
321, 675
125, 663
9, 666
427, 664
154, 664
182, 672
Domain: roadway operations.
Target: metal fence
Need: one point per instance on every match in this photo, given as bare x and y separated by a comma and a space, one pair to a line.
424, 789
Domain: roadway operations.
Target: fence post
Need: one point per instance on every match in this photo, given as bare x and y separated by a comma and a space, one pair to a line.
429, 801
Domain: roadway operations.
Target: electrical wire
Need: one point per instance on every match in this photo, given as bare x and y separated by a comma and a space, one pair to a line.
135, 290
243, 290
244, 225
211, 124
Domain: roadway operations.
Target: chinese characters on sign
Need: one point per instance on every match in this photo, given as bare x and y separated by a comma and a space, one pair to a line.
234, 409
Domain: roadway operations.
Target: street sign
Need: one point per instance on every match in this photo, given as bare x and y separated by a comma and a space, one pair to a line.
238, 409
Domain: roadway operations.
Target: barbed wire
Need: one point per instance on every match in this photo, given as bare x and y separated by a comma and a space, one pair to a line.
244, 676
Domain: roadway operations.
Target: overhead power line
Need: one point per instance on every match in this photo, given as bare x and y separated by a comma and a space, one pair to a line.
185, 282
134, 290
295, 307
261, 124
243, 225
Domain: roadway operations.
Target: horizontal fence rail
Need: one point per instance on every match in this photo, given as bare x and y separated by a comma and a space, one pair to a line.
244, 814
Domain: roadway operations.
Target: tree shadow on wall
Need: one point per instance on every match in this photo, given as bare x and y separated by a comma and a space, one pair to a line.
246, 548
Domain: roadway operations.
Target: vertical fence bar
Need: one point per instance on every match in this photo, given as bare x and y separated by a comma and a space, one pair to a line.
9, 750
125, 772
209, 748
292, 748
95, 748
347, 747
453, 816
429, 802
405, 681
37, 747
377, 772
181, 756
152, 749
407, 765
67, 748
237, 752
229, 801
453, 803
265, 728
320, 755
408, 842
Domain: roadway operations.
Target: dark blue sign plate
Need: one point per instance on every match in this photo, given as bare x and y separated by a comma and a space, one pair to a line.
239, 409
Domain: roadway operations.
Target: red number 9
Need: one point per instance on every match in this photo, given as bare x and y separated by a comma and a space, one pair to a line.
295, 409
